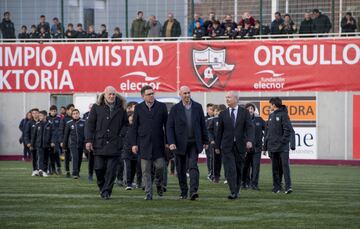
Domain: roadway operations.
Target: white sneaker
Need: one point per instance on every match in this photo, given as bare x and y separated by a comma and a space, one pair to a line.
35, 173
128, 188
225, 181
44, 174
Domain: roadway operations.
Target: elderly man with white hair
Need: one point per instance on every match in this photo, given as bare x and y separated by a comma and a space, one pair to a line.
102, 135
187, 137
236, 134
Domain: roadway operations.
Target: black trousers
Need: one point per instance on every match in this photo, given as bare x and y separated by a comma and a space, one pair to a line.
42, 158
90, 156
26, 152
67, 160
234, 164
54, 160
188, 161
105, 169
210, 161
34, 159
217, 165
280, 160
76, 154
130, 171
139, 181
251, 169
120, 170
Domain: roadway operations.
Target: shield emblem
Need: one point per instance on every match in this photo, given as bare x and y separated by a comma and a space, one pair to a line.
210, 66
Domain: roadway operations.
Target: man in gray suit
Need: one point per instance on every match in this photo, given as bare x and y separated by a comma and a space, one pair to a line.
235, 136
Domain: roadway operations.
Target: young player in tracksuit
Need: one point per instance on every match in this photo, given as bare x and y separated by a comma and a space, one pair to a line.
89, 154
276, 142
74, 139
251, 169
54, 118
29, 129
43, 141
210, 150
67, 117
213, 130
129, 158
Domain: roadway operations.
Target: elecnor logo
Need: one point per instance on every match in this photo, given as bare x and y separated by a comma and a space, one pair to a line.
210, 66
271, 80
129, 85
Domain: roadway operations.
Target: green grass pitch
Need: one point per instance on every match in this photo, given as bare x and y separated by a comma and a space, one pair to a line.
323, 197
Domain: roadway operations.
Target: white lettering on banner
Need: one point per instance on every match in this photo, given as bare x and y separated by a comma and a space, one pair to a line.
111, 56
270, 83
21, 56
298, 54
34, 80
132, 86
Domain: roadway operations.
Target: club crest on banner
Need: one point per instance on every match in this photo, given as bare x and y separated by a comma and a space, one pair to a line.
210, 66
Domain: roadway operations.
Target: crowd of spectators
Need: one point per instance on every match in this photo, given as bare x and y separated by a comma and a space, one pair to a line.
314, 22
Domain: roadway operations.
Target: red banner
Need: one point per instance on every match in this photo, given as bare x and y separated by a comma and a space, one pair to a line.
272, 65
89, 67
245, 65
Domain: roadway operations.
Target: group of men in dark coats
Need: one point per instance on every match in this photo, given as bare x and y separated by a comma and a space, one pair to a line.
150, 133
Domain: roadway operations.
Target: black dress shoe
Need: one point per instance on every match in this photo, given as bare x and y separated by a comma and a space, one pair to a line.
164, 189
160, 190
105, 195
233, 196
194, 196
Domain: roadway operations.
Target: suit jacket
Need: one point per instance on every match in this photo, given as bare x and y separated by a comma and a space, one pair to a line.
176, 127
148, 130
242, 132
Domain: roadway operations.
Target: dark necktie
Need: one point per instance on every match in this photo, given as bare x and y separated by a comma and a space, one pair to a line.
233, 116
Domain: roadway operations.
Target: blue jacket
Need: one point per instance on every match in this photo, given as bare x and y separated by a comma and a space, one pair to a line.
176, 128
74, 135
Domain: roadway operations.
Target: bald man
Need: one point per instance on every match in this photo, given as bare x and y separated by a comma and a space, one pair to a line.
235, 136
102, 135
187, 137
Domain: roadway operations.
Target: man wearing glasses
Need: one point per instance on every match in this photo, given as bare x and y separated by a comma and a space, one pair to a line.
147, 137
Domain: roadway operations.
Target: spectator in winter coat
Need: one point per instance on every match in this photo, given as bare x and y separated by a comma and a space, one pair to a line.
192, 26
153, 27
306, 25
276, 23
138, 26
171, 27
44, 24
7, 27
23, 34
348, 23
321, 22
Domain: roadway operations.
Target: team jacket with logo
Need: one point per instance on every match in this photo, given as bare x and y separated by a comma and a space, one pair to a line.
74, 134
56, 120
42, 134
278, 131
260, 126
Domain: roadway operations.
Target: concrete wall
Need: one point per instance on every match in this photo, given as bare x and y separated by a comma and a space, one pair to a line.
334, 118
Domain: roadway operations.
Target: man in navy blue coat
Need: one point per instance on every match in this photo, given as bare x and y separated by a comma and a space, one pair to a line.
235, 136
147, 137
187, 137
